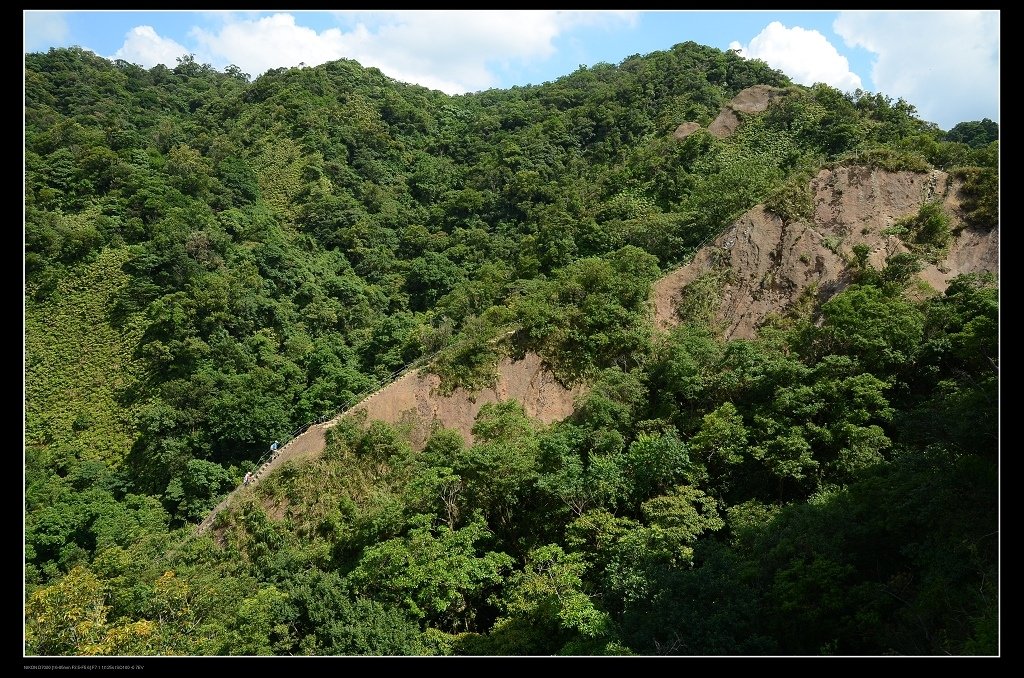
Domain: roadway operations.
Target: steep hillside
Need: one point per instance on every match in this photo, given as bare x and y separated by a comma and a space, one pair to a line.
762, 265
766, 265
414, 401
771, 266
212, 264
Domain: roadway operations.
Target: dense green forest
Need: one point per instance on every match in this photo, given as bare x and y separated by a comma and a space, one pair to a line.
212, 261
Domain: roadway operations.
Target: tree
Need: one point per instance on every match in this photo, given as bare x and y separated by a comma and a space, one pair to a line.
641, 556
435, 573
578, 472
66, 617
263, 625
335, 622
500, 471
70, 618
592, 316
720, 443
880, 330
975, 133
656, 462
430, 277
547, 611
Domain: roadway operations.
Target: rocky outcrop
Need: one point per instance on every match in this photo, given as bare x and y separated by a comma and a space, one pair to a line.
685, 130
752, 100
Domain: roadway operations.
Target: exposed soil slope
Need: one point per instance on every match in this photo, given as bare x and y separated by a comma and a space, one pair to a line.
414, 399
770, 264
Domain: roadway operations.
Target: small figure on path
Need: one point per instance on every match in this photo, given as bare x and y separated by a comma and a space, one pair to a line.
247, 479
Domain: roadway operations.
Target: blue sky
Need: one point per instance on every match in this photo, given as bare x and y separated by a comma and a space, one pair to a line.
945, 63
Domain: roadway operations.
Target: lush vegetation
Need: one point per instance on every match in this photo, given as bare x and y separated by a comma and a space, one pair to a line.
212, 262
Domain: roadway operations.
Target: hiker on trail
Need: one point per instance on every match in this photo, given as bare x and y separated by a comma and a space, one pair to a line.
248, 478
273, 448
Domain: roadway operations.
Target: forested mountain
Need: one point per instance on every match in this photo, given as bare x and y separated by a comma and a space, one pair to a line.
211, 262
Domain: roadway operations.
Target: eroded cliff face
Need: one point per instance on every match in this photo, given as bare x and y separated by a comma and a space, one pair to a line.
415, 399
768, 265
752, 100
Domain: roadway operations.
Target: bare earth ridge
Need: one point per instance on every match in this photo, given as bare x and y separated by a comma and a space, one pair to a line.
413, 399
772, 263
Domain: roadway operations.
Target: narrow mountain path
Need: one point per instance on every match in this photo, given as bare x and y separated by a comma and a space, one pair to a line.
310, 442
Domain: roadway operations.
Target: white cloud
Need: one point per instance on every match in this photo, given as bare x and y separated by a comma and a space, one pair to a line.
44, 29
453, 51
143, 46
806, 56
945, 63
256, 45
457, 46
